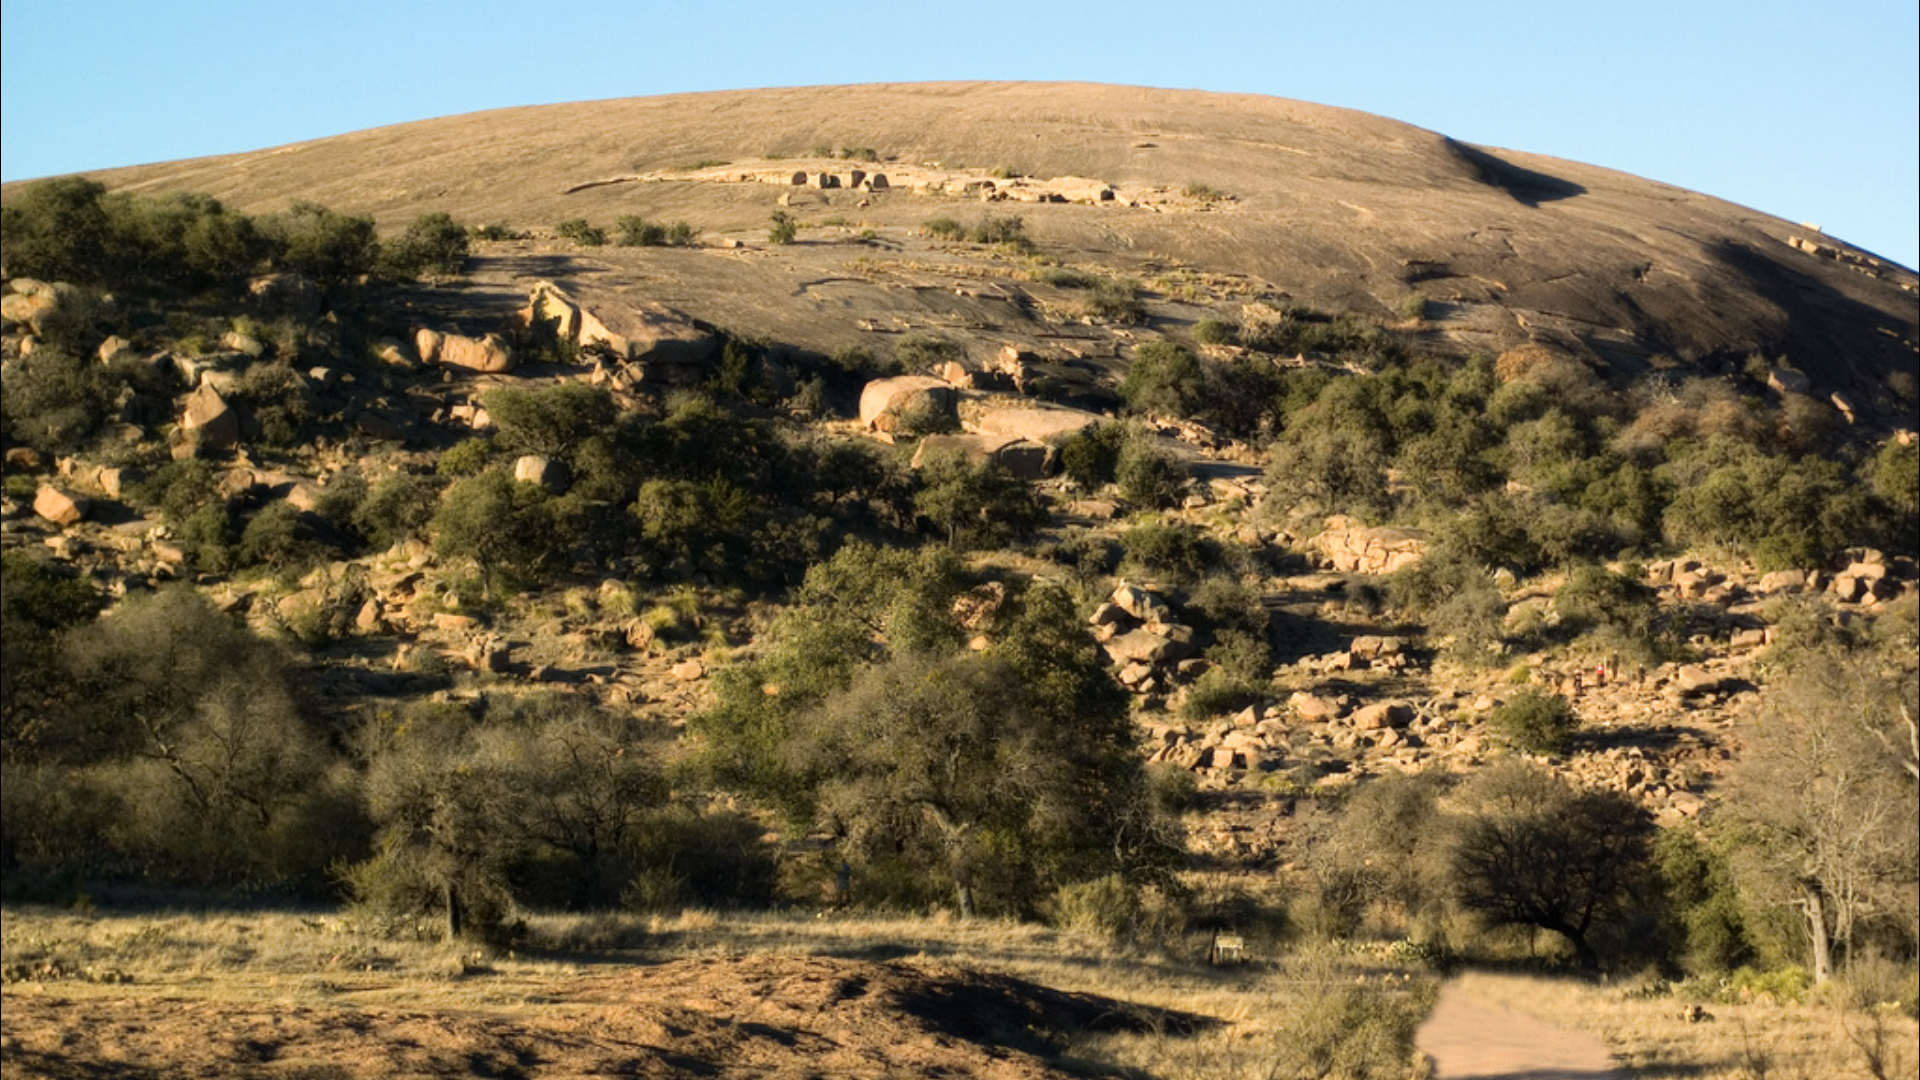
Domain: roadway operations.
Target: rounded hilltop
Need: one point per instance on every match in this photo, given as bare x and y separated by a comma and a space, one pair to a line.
1334, 208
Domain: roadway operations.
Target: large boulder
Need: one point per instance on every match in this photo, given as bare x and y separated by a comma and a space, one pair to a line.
487, 355
670, 347
39, 304
59, 506
1146, 647
1142, 604
1040, 423
884, 403
542, 470
209, 420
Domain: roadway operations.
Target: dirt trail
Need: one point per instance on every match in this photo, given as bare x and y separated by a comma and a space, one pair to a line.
1469, 1038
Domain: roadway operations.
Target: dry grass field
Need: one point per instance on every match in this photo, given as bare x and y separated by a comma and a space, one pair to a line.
289, 994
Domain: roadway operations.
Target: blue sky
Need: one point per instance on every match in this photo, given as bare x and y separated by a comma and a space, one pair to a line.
1807, 111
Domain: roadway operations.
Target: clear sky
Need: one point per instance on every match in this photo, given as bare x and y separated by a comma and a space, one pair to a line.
1807, 111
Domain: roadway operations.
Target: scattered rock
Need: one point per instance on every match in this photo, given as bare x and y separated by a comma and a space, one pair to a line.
1693, 680
59, 506
1385, 714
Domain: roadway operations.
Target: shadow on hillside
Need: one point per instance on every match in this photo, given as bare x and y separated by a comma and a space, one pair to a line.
1839, 342
1527, 187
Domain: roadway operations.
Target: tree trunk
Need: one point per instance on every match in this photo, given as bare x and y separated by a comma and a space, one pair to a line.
1815, 909
963, 893
455, 923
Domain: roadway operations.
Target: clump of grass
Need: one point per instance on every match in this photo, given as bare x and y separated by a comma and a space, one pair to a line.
1061, 277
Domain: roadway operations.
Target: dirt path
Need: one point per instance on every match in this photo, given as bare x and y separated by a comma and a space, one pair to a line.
1469, 1038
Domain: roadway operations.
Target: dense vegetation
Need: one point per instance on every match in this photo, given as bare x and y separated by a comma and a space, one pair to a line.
923, 727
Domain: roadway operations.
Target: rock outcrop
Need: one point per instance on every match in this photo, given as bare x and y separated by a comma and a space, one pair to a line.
1379, 550
921, 401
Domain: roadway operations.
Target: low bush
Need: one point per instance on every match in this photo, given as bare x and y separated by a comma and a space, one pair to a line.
633, 230
1092, 455
432, 244
1536, 723
784, 229
1117, 301
1157, 549
1163, 377
581, 232
1211, 331
1147, 474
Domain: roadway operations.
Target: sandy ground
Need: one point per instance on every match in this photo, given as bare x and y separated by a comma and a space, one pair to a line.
1469, 1038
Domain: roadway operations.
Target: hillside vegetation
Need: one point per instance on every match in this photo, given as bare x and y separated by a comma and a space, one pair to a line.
873, 548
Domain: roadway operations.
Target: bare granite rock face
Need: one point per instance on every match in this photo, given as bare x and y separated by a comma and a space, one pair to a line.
1341, 210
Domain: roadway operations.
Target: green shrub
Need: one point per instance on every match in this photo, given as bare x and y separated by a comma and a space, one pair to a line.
1413, 306
1159, 549
924, 352
581, 232
58, 230
999, 230
1117, 301
330, 248
1163, 377
1107, 906
1092, 455
1535, 722
976, 504
784, 229
945, 228
278, 538
632, 230
1212, 331
277, 398
1147, 474
495, 231
55, 401
432, 244
1781, 512
1201, 192
554, 420
466, 457
397, 508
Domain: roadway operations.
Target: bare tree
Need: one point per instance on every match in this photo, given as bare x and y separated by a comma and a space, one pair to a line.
1828, 795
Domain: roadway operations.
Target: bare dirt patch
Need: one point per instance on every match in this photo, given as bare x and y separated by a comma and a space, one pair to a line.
768, 1016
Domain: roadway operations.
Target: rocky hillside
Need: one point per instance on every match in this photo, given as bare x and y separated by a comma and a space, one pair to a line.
1349, 451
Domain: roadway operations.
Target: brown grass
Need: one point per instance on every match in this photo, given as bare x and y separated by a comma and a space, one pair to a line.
1212, 1022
